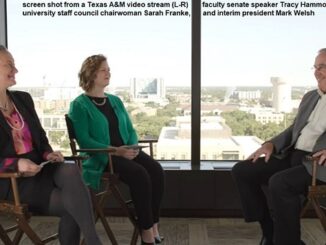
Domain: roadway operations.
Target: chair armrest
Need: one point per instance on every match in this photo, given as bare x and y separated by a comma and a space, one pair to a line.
102, 150
10, 175
148, 141
311, 158
75, 158
99, 150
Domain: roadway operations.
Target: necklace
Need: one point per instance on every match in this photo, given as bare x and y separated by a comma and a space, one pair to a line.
5, 107
99, 103
20, 118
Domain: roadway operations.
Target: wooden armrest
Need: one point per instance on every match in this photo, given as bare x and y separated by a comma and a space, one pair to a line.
10, 175
99, 150
75, 158
311, 158
102, 150
148, 141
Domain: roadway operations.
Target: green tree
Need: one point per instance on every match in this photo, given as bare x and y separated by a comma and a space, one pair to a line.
124, 95
269, 130
240, 122
243, 123
55, 137
150, 126
152, 104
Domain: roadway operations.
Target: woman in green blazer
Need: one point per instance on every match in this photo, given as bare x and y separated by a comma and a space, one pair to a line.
100, 120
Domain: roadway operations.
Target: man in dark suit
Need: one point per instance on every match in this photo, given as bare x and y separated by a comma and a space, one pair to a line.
282, 168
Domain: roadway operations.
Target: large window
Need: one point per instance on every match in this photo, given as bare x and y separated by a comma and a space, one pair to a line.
255, 67
149, 57
255, 70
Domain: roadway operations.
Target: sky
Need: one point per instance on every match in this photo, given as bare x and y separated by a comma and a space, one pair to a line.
236, 51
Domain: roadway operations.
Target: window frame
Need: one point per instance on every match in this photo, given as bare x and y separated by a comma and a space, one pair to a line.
3, 23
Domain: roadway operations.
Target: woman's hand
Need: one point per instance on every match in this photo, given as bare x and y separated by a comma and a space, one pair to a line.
27, 168
122, 151
55, 156
266, 149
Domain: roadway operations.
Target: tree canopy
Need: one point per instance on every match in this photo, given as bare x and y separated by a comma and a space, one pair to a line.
243, 123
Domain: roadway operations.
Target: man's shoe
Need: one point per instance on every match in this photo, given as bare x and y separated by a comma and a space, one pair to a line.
265, 241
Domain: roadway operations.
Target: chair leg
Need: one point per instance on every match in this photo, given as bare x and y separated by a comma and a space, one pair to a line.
4, 236
98, 206
116, 193
135, 235
320, 213
306, 206
18, 236
24, 226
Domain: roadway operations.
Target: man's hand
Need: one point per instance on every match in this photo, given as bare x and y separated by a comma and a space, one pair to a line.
27, 168
322, 157
55, 156
266, 149
122, 151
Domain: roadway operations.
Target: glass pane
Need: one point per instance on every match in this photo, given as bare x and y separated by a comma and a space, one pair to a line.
255, 70
149, 57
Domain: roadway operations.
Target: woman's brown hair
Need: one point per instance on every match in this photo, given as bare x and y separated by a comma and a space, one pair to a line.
87, 73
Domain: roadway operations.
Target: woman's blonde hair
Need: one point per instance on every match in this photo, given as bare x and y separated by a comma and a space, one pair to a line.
87, 73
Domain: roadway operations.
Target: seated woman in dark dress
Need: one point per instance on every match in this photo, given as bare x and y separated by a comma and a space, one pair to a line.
55, 189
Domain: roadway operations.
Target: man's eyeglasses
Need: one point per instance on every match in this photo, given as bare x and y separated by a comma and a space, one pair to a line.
319, 67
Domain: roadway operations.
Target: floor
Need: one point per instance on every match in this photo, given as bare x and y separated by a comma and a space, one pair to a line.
188, 231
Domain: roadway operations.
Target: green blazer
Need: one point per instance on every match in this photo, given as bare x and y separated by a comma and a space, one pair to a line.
92, 131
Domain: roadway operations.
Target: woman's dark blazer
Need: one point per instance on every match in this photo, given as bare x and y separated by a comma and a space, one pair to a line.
25, 105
